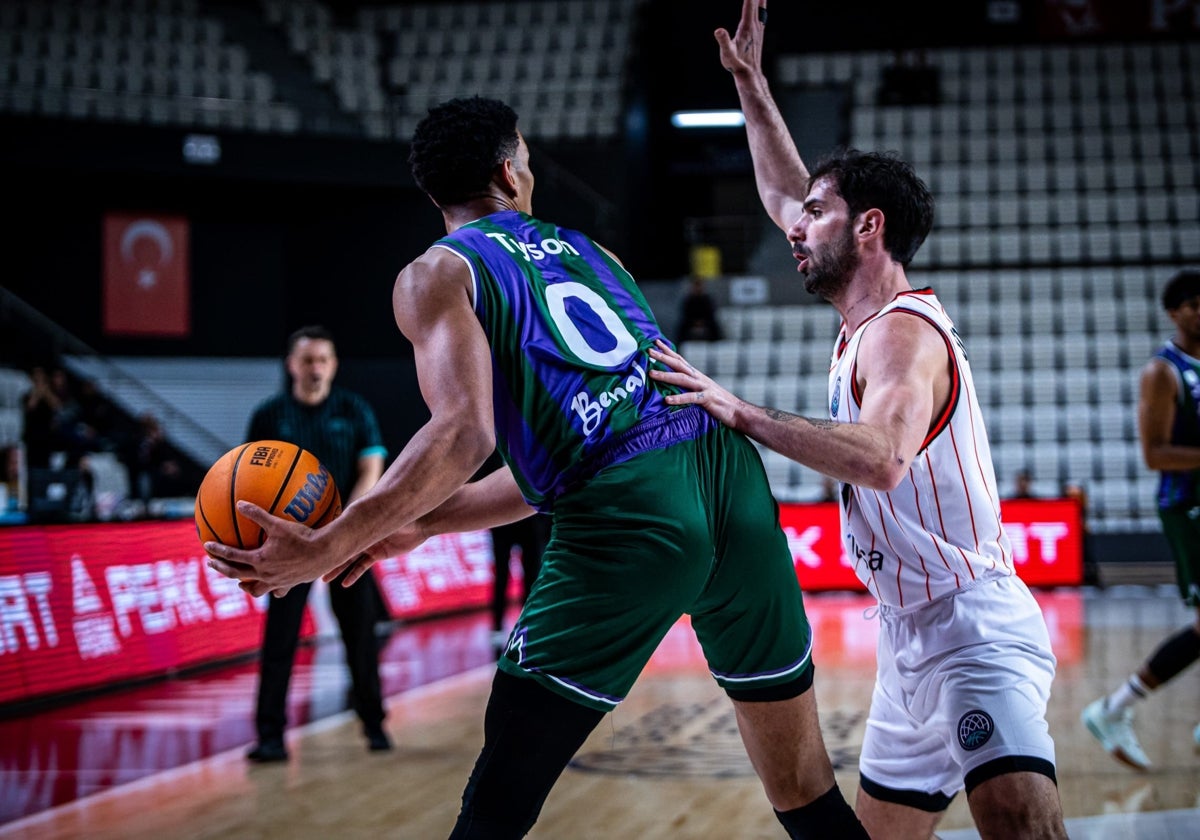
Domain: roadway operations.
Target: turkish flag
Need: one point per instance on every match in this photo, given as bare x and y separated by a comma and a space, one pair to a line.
147, 290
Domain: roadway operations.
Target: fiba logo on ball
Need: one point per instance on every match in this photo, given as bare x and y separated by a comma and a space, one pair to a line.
974, 729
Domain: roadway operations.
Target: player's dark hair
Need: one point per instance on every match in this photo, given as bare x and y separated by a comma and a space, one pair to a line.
1183, 286
458, 145
884, 181
312, 331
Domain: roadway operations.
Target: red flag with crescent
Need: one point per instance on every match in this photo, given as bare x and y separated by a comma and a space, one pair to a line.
147, 290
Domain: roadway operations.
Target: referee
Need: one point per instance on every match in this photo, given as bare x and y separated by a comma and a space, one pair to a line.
340, 428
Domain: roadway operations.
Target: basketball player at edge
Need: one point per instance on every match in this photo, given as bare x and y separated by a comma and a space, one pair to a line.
964, 659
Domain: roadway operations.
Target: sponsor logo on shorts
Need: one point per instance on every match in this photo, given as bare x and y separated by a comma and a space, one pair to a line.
975, 728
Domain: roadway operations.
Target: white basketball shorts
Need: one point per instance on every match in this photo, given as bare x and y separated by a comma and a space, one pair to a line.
962, 681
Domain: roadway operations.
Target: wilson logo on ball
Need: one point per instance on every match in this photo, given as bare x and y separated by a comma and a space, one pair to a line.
309, 496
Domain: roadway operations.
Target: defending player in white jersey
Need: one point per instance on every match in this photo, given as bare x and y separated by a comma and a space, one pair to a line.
964, 659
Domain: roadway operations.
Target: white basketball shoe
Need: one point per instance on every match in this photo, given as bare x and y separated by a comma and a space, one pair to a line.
1115, 733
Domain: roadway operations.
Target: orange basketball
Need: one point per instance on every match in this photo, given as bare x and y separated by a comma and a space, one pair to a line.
279, 477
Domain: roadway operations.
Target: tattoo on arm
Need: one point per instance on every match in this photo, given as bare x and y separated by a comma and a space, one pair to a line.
788, 417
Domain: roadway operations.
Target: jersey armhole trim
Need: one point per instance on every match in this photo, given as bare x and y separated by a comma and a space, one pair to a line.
470, 267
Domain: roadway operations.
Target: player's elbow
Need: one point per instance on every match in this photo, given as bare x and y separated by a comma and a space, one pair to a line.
885, 475
475, 443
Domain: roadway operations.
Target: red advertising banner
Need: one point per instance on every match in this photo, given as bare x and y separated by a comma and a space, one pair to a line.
1046, 537
446, 573
92, 605
147, 288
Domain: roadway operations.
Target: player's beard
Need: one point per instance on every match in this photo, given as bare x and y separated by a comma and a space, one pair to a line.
830, 270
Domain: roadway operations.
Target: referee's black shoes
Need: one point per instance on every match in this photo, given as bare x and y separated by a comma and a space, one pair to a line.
378, 741
268, 751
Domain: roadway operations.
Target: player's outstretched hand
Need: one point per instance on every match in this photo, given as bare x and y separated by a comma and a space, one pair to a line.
287, 557
743, 52
698, 388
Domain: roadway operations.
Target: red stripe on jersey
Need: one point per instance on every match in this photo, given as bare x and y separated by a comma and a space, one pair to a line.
888, 539
970, 505
937, 504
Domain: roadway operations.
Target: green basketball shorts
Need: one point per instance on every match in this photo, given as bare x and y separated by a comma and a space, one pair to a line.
1181, 527
691, 529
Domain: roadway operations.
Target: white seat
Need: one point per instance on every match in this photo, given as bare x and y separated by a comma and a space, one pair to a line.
724, 359
757, 357
785, 392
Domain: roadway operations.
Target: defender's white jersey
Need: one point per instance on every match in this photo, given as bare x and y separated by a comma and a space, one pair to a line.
939, 531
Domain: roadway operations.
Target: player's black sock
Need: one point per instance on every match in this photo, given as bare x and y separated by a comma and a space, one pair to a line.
1175, 654
829, 815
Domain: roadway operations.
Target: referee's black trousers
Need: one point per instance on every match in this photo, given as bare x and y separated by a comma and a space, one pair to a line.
356, 614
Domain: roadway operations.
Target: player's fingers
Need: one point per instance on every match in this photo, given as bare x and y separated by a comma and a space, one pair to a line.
254, 587
357, 570
750, 11
255, 514
226, 566
331, 576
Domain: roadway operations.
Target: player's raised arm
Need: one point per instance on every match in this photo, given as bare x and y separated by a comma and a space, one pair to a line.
779, 172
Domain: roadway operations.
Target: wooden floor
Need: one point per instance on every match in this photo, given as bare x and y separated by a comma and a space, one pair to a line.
668, 762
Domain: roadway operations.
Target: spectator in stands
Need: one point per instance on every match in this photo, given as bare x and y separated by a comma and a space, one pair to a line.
1169, 428
10, 477
42, 409
1022, 485
339, 427
698, 315
155, 470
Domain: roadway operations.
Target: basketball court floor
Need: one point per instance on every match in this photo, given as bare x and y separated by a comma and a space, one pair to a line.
166, 760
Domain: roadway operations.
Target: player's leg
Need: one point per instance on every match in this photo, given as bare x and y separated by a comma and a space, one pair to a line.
529, 735
630, 549
960, 701
906, 782
784, 743
756, 638
1017, 804
1110, 718
1003, 743
898, 821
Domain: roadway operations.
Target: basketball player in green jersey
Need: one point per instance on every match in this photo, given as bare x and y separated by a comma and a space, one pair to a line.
1169, 427
531, 338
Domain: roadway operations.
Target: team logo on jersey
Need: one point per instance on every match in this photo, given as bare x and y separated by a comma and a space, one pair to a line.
974, 729
837, 398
